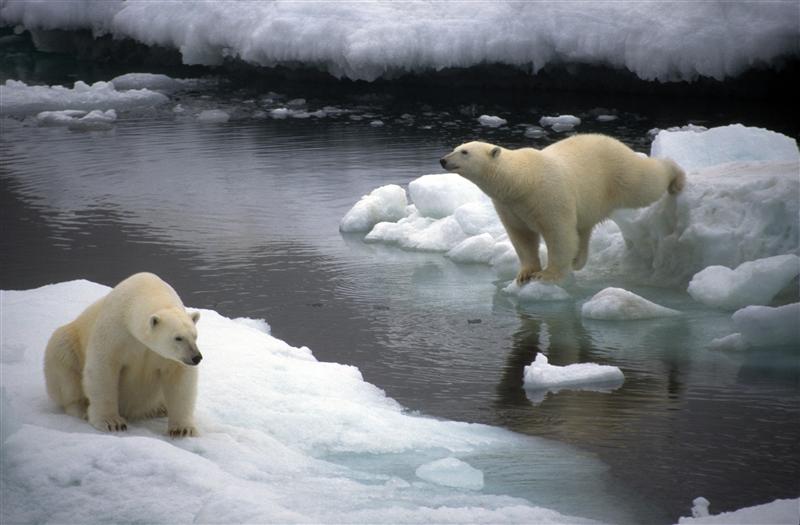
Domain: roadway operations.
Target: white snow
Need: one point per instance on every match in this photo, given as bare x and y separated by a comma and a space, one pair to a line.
536, 291
387, 203
451, 472
368, 40
213, 116
491, 121
439, 196
21, 99
277, 427
475, 249
616, 304
753, 282
560, 123
700, 507
541, 377
778, 512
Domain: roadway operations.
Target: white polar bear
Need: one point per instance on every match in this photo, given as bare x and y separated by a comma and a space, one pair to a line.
561, 192
131, 354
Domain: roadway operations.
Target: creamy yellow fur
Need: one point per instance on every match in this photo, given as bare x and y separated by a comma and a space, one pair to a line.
131, 354
561, 192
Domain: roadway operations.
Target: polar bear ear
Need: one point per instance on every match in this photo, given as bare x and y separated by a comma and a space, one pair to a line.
195, 316
495, 152
154, 320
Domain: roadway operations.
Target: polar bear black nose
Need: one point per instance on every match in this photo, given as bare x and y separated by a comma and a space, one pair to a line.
443, 162
196, 359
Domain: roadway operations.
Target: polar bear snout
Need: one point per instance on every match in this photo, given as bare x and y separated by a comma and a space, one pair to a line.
443, 162
197, 358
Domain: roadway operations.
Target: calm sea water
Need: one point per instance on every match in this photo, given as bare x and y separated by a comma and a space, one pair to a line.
242, 217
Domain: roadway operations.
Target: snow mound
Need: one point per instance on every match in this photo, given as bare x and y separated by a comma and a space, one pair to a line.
368, 40
535, 291
696, 149
541, 377
20, 99
451, 472
616, 304
387, 203
778, 512
751, 283
277, 427
78, 120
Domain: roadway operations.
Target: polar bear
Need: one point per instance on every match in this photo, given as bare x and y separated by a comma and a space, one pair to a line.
130, 355
561, 192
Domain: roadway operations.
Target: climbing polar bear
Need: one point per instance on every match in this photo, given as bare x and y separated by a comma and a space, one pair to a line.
561, 192
130, 355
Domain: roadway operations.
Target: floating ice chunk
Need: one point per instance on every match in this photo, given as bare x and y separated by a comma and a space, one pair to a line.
767, 326
778, 512
78, 119
729, 343
535, 132
475, 249
616, 304
213, 116
754, 282
560, 123
376, 123
59, 118
478, 217
541, 377
491, 121
438, 196
419, 233
296, 103
387, 203
535, 291
735, 143
280, 113
451, 472
606, 118
147, 81
700, 507
22, 99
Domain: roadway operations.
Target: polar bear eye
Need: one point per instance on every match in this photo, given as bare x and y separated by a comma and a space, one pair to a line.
463, 152
178, 338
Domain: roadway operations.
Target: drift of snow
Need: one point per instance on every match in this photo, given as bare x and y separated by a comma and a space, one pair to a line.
387, 203
541, 377
616, 304
21, 99
778, 512
751, 283
367, 40
451, 472
272, 420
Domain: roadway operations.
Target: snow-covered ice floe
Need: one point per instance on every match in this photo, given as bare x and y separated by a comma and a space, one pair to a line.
778, 512
20, 99
732, 211
368, 40
277, 427
616, 304
540, 377
77, 119
762, 326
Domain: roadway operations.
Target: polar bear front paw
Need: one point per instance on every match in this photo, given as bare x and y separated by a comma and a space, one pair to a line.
177, 431
547, 275
109, 423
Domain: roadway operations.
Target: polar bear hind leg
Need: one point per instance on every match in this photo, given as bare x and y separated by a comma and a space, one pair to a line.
62, 371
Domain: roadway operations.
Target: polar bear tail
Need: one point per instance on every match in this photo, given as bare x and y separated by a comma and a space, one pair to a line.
677, 177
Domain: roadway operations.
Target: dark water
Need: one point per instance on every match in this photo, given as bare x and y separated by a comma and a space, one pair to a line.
243, 218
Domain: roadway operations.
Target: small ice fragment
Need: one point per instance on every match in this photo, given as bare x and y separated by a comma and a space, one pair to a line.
616, 304
451, 472
492, 121
533, 291
700, 507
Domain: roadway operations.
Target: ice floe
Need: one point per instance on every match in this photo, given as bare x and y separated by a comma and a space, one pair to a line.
541, 377
616, 304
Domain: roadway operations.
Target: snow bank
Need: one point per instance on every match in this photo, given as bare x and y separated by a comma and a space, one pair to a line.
451, 472
284, 438
778, 512
754, 282
541, 377
21, 99
728, 214
616, 304
387, 203
367, 40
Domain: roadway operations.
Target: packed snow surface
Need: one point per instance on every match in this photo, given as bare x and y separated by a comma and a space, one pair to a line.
368, 40
21, 99
778, 512
616, 304
272, 419
542, 375
751, 283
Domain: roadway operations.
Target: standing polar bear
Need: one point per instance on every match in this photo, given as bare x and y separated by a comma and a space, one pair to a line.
130, 355
561, 192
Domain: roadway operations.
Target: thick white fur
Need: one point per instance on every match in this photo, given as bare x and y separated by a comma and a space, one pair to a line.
131, 354
561, 192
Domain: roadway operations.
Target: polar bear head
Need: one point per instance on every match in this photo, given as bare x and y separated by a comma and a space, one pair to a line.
172, 334
473, 160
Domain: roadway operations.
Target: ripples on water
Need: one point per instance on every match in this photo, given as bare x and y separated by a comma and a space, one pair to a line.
243, 218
